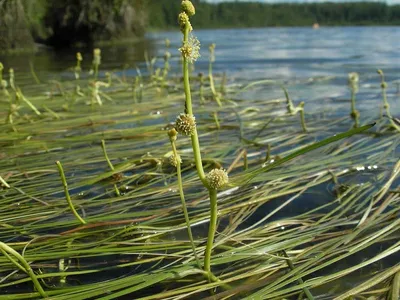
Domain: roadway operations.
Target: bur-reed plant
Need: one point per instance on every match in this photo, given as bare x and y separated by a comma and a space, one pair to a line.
77, 73
292, 110
96, 63
214, 92
386, 104
186, 125
353, 80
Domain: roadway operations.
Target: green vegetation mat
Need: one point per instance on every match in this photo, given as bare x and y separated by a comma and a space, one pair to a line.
326, 221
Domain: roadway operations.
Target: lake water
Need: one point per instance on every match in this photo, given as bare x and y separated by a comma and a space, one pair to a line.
297, 57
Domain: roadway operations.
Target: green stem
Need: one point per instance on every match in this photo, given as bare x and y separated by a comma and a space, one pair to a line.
245, 161
300, 280
96, 71
211, 230
3, 182
354, 113
186, 81
189, 110
201, 79
182, 196
215, 115
103, 146
33, 72
303, 120
387, 109
197, 158
211, 79
353, 101
64, 181
25, 266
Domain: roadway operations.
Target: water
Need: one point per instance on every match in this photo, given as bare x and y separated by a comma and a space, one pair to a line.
297, 57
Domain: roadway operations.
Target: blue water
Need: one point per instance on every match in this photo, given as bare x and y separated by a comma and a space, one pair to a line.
312, 64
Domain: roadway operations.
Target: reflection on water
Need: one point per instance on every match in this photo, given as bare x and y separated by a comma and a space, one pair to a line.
113, 57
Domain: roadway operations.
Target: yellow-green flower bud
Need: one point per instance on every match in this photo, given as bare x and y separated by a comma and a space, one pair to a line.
353, 77
96, 56
185, 124
79, 56
172, 133
355, 114
353, 81
384, 85
173, 160
217, 178
188, 7
183, 20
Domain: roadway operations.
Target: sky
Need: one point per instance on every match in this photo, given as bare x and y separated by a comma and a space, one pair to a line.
271, 1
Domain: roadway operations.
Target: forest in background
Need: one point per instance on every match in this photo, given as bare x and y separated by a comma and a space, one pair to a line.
65, 23
162, 14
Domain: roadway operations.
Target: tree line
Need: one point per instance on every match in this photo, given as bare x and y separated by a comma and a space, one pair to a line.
162, 14
63, 23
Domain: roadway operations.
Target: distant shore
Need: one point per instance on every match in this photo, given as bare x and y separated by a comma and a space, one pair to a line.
23, 24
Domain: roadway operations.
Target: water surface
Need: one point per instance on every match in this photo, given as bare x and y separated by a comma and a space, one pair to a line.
296, 57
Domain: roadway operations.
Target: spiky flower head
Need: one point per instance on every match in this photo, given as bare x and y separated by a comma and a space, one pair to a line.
191, 49
185, 124
173, 160
217, 178
188, 7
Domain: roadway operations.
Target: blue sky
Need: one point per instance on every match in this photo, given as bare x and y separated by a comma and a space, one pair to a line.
387, 1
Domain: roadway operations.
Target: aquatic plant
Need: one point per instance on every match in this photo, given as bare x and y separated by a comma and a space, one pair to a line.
216, 96
386, 105
186, 124
353, 84
289, 224
292, 110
